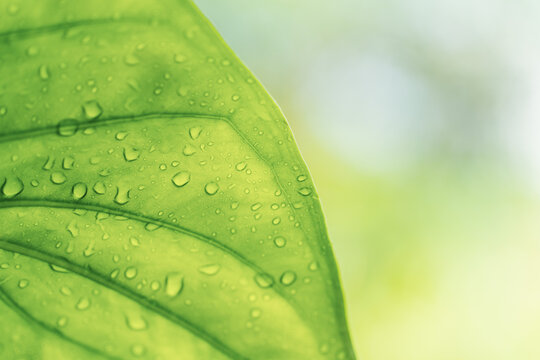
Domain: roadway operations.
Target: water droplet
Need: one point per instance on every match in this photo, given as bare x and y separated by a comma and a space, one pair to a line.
288, 278
134, 241
211, 188
58, 178
62, 321
211, 269
83, 304
189, 150
122, 196
301, 178
23, 283
43, 72
136, 322
130, 273
195, 132
68, 162
235, 98
313, 266
181, 178
99, 188
151, 227
276, 220
12, 187
264, 280
241, 166
138, 350
131, 154
174, 283
64, 290
57, 268
280, 241
255, 313
92, 110
131, 60
79, 191
305, 191
179, 58
121, 135
256, 206
49, 163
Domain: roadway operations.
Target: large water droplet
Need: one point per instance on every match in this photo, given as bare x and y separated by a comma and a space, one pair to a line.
131, 154
12, 187
181, 178
92, 110
305, 191
210, 269
288, 278
195, 132
174, 283
99, 188
79, 191
189, 150
122, 196
211, 188
58, 178
67, 127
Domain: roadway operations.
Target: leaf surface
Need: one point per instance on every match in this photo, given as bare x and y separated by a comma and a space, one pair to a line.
153, 202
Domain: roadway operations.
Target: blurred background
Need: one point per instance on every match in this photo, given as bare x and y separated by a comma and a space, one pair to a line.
420, 122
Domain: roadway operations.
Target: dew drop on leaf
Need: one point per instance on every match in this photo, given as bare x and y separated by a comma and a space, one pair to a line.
131, 154
189, 150
181, 178
62, 321
136, 322
67, 163
83, 304
122, 196
23, 283
211, 188
264, 280
195, 132
43, 72
78, 191
280, 241
58, 178
210, 269
67, 127
255, 313
99, 188
241, 166
12, 187
288, 278
305, 191
174, 283
92, 110
301, 178
130, 273
121, 135
138, 350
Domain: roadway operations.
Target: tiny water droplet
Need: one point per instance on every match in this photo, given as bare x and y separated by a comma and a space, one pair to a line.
122, 196
58, 178
313, 266
57, 268
264, 280
211, 269
23, 283
134, 241
301, 178
131, 154
211, 188
181, 178
288, 278
138, 350
79, 191
12, 187
121, 135
235, 98
68, 162
280, 241
92, 110
174, 283
179, 58
43, 72
131, 60
256, 206
130, 273
255, 313
83, 304
305, 191
62, 321
49, 163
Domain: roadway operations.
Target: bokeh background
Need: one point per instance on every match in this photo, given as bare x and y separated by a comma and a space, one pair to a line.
420, 122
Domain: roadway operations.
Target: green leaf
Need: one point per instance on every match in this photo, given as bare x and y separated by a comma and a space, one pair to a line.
153, 202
